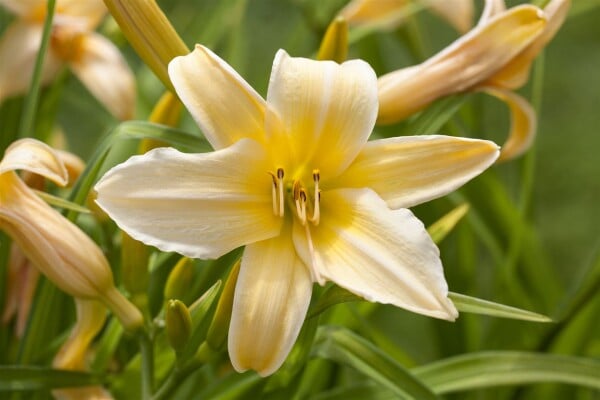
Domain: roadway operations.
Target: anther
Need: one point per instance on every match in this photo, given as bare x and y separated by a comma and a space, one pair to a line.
280, 175
316, 215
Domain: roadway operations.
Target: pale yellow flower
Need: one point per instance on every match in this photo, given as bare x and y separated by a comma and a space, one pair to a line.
57, 247
92, 58
389, 14
294, 179
494, 57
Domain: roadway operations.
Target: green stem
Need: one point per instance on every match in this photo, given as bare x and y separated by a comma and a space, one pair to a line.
147, 353
174, 380
31, 100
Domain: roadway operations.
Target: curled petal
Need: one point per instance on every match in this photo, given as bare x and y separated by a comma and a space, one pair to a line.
199, 205
224, 106
103, 70
36, 157
523, 124
491, 8
272, 295
327, 110
19, 46
380, 254
459, 13
464, 64
406, 171
516, 73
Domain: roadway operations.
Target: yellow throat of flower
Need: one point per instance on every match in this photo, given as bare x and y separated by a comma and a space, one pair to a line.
303, 200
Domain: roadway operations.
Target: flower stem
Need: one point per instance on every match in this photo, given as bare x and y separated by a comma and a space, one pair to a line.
147, 354
31, 100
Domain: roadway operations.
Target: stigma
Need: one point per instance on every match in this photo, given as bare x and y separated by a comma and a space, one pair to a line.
303, 203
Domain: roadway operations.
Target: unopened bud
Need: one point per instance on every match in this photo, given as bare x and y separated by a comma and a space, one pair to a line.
217, 332
178, 283
178, 324
335, 42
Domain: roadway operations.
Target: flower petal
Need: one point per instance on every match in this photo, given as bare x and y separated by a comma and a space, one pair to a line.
459, 13
199, 205
377, 14
382, 255
272, 295
516, 73
103, 70
19, 46
25, 8
523, 123
459, 67
224, 106
491, 8
406, 171
90, 11
36, 157
327, 110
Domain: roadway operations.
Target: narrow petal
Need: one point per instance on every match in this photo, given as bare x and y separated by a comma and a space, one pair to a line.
19, 47
272, 295
381, 255
406, 171
199, 205
327, 109
465, 63
516, 73
224, 106
36, 157
103, 70
523, 124
459, 13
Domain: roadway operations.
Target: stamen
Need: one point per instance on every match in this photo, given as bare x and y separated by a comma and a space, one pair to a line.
274, 194
315, 275
316, 215
280, 175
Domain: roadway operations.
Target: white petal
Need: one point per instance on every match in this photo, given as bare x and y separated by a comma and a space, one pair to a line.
381, 255
103, 70
523, 123
224, 106
19, 46
199, 205
459, 13
36, 157
271, 299
327, 110
409, 170
491, 8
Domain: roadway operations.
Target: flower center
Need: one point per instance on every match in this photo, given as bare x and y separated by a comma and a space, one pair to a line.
303, 201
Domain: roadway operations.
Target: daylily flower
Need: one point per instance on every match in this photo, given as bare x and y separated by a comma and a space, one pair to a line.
389, 14
92, 58
294, 179
22, 275
58, 248
494, 57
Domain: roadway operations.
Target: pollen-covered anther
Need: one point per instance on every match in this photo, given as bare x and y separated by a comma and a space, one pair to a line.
316, 212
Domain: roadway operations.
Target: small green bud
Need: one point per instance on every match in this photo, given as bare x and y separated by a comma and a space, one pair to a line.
178, 283
178, 324
335, 42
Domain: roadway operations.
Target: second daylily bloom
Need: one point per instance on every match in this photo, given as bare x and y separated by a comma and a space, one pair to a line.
494, 57
91, 57
57, 247
294, 179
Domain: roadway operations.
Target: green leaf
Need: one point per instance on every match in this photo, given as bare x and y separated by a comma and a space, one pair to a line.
201, 312
344, 346
442, 227
61, 203
474, 305
333, 295
37, 378
497, 368
431, 120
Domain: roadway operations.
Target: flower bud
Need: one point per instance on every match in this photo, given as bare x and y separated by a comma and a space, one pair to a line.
178, 324
335, 42
178, 282
217, 332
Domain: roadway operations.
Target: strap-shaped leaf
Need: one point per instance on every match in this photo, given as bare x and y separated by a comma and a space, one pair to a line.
346, 347
474, 305
36, 378
497, 368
